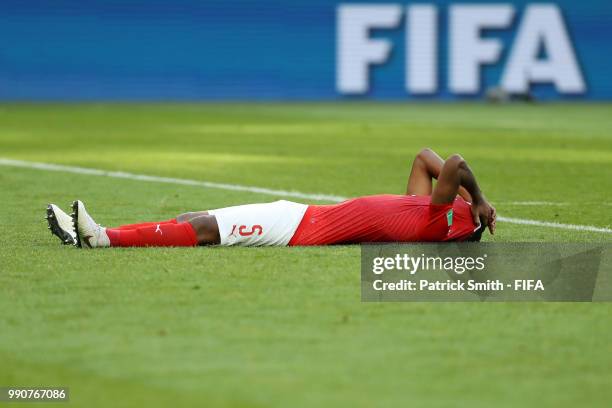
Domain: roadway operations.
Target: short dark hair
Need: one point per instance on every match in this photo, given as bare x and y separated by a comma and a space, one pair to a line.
476, 235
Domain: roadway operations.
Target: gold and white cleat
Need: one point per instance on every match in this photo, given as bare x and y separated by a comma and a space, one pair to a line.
60, 224
89, 234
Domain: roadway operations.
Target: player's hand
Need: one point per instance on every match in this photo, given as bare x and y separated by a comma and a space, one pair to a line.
484, 214
492, 219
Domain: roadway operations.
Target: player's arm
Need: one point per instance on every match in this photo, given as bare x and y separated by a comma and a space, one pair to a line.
426, 166
456, 173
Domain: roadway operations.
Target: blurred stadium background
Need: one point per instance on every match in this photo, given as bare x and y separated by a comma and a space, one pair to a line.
281, 95
270, 49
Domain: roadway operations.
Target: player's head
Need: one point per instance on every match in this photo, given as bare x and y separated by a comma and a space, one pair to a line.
476, 235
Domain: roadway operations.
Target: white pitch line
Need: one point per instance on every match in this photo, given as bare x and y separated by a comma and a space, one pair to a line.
549, 224
168, 180
251, 189
534, 203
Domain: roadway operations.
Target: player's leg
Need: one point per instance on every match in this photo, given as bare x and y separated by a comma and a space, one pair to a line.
186, 217
206, 229
89, 234
253, 224
147, 224
160, 235
145, 234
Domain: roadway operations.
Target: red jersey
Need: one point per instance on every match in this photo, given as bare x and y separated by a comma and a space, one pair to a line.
385, 218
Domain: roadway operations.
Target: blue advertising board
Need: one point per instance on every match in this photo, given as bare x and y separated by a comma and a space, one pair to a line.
303, 49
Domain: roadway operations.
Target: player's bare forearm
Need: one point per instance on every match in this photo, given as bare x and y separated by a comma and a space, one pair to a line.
455, 174
469, 183
481, 209
433, 163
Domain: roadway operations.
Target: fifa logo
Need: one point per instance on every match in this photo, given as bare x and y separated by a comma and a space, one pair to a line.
541, 52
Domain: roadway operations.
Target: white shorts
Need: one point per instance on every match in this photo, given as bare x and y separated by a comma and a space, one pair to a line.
259, 224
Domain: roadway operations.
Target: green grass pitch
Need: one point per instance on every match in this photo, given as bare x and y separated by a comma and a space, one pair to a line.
284, 327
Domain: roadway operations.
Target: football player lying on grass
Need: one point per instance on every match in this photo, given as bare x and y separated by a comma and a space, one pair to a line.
454, 210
